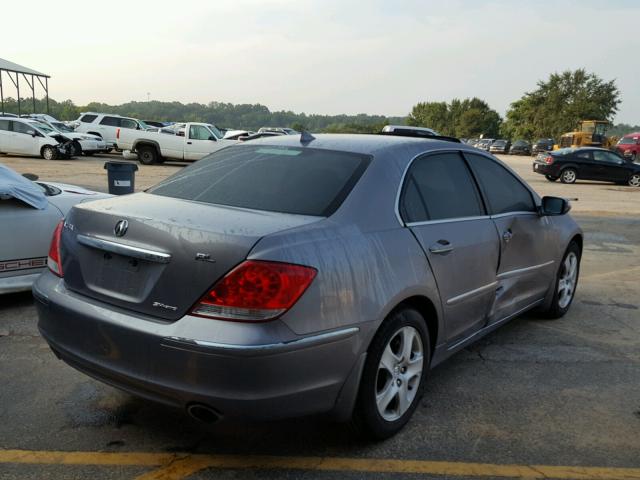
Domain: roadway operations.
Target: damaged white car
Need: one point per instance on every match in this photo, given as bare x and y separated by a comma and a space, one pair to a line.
23, 136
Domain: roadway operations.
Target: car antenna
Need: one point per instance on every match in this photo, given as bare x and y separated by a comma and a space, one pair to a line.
306, 137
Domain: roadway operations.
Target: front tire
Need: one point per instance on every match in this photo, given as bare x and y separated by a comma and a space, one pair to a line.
147, 155
48, 153
551, 178
566, 282
76, 149
394, 375
569, 175
634, 180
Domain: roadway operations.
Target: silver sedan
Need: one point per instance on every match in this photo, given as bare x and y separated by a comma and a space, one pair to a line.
298, 274
29, 212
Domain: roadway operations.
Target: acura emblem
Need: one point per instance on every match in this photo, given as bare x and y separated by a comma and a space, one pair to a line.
121, 228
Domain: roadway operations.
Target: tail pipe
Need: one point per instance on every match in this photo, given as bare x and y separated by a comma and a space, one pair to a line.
203, 413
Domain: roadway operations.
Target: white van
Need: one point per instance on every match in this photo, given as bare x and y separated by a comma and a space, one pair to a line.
29, 137
105, 125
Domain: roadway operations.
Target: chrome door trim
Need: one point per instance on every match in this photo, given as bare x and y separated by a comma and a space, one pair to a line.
205, 346
508, 214
519, 271
122, 249
471, 293
448, 220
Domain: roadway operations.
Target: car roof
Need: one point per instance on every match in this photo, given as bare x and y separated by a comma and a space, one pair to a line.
367, 144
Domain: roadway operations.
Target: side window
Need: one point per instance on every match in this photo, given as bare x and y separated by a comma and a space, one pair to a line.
584, 155
606, 157
128, 123
4, 125
504, 191
439, 187
198, 132
20, 127
88, 118
110, 121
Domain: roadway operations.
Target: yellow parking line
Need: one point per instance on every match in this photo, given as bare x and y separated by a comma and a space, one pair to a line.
177, 466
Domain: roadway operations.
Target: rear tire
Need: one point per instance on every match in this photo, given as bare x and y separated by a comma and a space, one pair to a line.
394, 375
566, 282
569, 175
634, 180
551, 178
48, 153
88, 154
147, 155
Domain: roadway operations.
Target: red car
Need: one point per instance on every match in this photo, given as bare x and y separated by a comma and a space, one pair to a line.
629, 146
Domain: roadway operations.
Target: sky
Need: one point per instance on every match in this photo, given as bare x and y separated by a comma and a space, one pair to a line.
321, 56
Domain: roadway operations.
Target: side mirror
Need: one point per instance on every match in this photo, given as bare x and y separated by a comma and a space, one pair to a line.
553, 206
32, 133
213, 138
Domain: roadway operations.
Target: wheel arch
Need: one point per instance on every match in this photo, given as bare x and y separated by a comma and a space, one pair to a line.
427, 309
147, 143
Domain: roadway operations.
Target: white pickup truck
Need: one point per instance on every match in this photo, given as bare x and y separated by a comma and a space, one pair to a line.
188, 141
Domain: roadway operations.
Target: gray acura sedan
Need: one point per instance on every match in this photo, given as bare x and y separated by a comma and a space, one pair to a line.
296, 275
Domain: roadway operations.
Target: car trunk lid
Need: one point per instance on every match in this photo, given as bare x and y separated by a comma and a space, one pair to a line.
157, 255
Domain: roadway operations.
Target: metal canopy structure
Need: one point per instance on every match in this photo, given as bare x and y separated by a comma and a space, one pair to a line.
14, 71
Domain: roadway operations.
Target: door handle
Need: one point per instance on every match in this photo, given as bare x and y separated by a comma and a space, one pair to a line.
441, 246
188, 143
507, 235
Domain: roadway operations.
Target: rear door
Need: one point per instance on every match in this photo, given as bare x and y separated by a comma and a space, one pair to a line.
6, 140
441, 205
23, 141
108, 127
526, 265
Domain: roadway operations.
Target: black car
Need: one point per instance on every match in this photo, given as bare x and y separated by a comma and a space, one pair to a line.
520, 147
542, 145
500, 146
571, 164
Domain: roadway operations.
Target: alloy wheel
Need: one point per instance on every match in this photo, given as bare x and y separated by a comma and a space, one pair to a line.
567, 281
634, 181
399, 373
569, 176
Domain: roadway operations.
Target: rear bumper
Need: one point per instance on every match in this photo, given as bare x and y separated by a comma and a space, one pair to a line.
256, 371
544, 169
18, 283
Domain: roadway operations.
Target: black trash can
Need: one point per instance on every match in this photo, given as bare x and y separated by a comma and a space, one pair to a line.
122, 177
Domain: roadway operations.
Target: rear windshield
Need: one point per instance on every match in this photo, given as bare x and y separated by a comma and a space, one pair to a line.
303, 181
628, 140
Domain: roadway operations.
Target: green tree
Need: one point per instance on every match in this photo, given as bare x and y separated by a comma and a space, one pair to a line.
557, 105
466, 118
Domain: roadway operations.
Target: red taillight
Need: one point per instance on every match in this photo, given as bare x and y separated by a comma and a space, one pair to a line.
118, 134
255, 291
54, 261
548, 159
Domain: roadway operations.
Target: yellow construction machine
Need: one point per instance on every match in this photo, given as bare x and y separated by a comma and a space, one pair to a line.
590, 133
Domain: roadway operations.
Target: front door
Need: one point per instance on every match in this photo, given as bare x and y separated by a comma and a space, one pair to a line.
22, 139
441, 205
526, 267
611, 167
200, 142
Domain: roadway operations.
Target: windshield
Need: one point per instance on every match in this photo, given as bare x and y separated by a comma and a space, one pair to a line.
520, 143
499, 143
61, 127
42, 127
216, 133
302, 181
628, 141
